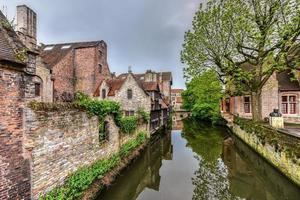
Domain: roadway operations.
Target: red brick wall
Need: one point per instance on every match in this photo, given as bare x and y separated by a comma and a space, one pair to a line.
14, 168
64, 79
80, 71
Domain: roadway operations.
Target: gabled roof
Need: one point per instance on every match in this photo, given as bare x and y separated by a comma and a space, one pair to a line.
177, 90
285, 82
150, 86
9, 41
53, 53
114, 85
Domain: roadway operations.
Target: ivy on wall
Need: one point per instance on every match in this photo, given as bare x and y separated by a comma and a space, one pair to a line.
271, 136
82, 179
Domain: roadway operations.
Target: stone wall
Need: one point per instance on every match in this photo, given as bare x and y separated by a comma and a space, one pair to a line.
139, 97
14, 164
278, 159
47, 83
61, 142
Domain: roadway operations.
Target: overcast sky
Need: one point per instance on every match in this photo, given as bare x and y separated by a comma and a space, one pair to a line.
146, 34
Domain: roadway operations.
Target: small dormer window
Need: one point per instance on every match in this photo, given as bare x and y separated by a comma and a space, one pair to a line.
103, 93
100, 68
48, 48
129, 94
66, 47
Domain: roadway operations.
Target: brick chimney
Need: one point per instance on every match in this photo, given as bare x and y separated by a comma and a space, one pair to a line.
26, 26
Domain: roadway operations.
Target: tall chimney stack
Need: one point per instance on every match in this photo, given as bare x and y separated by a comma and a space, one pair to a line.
26, 26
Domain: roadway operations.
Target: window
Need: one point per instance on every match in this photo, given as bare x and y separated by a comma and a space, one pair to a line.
104, 132
129, 113
103, 93
288, 104
66, 47
100, 68
247, 105
48, 48
129, 94
37, 89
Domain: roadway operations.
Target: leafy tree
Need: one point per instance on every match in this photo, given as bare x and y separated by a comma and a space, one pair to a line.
245, 41
203, 95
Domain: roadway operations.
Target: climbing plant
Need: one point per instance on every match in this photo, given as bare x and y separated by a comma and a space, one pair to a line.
142, 114
128, 124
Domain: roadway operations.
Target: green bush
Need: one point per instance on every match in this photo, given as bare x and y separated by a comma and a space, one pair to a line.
142, 114
82, 179
128, 124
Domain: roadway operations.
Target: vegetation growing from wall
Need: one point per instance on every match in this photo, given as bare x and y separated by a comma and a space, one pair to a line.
142, 114
266, 134
81, 180
128, 124
202, 96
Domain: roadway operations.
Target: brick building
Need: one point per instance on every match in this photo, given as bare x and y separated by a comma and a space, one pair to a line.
176, 98
80, 66
18, 84
281, 92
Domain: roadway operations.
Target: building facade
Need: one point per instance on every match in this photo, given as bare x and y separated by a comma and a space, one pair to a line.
281, 92
176, 99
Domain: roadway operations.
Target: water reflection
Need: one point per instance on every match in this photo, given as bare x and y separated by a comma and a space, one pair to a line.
144, 173
200, 162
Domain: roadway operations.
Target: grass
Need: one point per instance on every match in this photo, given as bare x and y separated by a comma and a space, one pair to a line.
81, 180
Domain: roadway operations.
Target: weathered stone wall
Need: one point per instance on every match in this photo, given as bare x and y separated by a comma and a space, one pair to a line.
14, 165
139, 97
47, 83
278, 159
61, 142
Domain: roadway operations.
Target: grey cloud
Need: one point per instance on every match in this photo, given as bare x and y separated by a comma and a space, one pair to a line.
142, 33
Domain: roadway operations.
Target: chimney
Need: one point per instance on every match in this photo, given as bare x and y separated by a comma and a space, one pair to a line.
26, 26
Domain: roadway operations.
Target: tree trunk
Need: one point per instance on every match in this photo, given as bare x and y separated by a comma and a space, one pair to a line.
256, 106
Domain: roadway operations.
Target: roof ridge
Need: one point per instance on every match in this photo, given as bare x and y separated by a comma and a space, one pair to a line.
70, 43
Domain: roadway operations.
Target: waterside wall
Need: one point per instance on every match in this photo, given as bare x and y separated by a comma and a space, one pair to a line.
279, 159
61, 142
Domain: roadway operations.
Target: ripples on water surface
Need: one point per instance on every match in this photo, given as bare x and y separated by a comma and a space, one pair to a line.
200, 162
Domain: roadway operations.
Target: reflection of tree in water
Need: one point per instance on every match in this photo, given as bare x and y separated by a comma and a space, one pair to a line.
211, 181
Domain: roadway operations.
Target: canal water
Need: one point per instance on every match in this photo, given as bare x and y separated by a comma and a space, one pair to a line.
200, 162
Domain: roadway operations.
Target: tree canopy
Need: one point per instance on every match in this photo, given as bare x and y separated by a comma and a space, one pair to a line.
244, 42
202, 96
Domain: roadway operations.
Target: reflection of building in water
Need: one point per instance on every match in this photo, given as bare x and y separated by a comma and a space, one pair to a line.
177, 125
144, 172
251, 177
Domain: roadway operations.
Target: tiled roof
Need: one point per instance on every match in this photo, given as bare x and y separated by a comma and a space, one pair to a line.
114, 85
176, 90
51, 56
285, 83
150, 86
9, 41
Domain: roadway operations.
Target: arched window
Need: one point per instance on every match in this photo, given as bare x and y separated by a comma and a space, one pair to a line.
129, 94
37, 89
103, 93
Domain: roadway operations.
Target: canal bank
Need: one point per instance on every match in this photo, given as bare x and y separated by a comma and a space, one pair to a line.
277, 148
196, 162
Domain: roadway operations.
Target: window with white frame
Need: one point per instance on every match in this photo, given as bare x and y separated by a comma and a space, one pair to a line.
289, 104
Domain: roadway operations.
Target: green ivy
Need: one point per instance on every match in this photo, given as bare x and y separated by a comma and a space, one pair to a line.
269, 135
142, 114
81, 180
99, 108
128, 124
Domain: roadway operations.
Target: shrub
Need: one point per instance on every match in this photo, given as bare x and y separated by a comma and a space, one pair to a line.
142, 114
128, 124
82, 179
